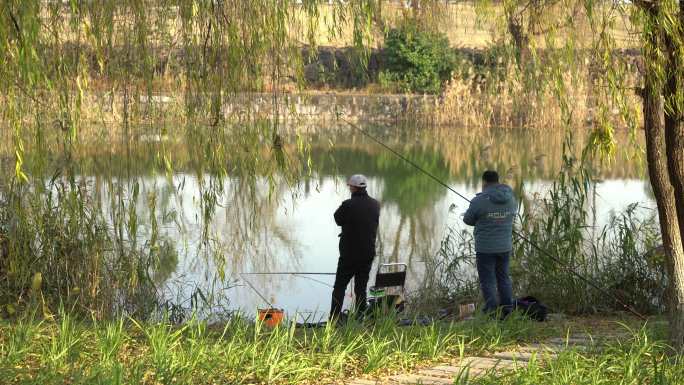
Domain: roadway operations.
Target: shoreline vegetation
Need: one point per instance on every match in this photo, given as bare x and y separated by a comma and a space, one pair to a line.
486, 89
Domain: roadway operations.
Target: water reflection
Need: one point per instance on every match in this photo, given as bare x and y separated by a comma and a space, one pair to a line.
219, 217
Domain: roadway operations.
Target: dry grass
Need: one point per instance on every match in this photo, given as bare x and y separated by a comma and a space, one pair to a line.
504, 96
506, 101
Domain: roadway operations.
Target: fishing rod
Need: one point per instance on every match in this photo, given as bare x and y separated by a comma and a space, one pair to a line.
313, 279
529, 241
296, 274
270, 305
288, 273
402, 157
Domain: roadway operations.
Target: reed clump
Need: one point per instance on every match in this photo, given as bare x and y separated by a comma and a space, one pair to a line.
490, 88
58, 248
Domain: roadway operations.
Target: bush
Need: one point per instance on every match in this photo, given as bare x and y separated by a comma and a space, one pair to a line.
416, 60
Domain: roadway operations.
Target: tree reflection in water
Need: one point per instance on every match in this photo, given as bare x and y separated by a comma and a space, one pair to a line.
220, 210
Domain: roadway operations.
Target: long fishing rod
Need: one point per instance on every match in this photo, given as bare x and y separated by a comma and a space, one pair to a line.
313, 279
296, 274
270, 305
529, 241
402, 157
287, 273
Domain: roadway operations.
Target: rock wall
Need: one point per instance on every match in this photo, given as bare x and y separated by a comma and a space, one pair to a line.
325, 107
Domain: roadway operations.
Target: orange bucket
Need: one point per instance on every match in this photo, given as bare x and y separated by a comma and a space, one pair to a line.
271, 317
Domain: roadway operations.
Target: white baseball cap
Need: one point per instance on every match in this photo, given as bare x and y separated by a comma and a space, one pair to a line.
358, 180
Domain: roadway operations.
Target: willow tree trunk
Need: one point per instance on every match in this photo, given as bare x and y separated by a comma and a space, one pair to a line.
674, 145
674, 139
665, 148
521, 40
667, 209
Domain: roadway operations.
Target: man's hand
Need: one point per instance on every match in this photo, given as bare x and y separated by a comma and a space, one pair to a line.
341, 214
470, 216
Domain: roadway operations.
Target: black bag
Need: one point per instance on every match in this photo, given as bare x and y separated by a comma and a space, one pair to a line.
531, 307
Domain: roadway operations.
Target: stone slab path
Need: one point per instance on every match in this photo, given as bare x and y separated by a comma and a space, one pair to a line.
473, 367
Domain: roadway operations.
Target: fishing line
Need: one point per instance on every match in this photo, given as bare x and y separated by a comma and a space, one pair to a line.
313, 279
257, 291
304, 275
405, 159
287, 273
529, 241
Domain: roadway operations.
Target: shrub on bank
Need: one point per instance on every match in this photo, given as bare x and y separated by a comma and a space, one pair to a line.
416, 60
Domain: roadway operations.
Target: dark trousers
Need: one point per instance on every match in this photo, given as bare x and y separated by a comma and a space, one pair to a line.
492, 269
347, 269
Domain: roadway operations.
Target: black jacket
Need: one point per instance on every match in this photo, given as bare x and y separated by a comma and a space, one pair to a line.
359, 218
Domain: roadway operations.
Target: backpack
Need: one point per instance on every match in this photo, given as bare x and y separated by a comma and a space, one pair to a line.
532, 308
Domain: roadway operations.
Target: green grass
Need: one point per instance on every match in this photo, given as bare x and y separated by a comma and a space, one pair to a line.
67, 351
638, 360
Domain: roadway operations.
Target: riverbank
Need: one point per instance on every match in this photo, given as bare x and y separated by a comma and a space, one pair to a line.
125, 67
63, 350
463, 105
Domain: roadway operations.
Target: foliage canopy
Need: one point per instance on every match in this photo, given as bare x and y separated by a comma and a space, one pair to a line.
418, 60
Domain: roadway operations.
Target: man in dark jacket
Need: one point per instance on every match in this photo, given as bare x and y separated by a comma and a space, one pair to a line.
492, 212
358, 218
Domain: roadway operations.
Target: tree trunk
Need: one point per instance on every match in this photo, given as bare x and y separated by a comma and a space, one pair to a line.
378, 17
667, 211
674, 113
674, 139
674, 145
521, 40
665, 159
415, 6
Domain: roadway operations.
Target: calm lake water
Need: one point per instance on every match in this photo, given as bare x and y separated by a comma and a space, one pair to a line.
262, 226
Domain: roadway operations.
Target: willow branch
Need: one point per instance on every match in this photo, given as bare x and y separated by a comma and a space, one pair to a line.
16, 25
649, 5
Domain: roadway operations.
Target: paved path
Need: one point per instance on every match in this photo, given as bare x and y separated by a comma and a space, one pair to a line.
472, 367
